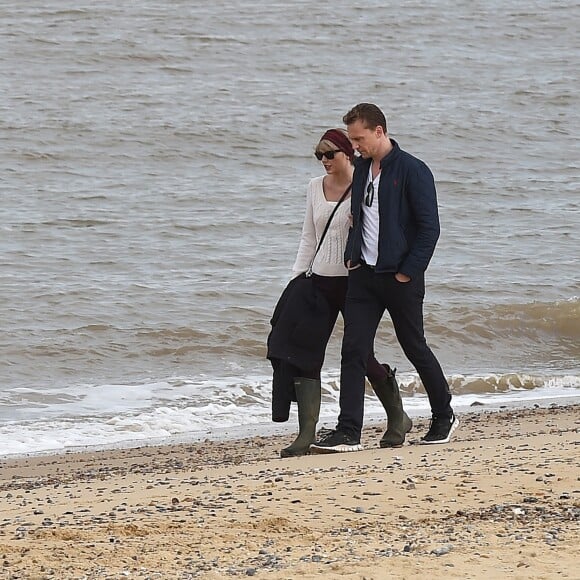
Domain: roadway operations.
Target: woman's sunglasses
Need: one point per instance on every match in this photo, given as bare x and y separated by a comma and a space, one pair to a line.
327, 154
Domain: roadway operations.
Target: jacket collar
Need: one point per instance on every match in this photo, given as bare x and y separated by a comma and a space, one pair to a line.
386, 160
392, 154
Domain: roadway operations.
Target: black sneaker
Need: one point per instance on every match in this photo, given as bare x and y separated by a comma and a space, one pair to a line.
336, 442
440, 430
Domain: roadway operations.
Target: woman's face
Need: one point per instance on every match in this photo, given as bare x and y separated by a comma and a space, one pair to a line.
333, 160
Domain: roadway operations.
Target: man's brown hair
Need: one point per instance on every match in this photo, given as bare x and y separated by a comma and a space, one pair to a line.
369, 114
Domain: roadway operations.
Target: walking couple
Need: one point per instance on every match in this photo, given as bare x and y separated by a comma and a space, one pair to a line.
369, 232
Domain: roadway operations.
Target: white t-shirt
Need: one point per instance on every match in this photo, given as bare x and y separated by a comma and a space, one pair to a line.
370, 223
330, 258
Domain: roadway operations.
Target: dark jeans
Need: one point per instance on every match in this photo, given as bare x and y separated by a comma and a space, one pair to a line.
334, 289
369, 295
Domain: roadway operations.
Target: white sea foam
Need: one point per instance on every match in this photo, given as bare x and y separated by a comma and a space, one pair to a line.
115, 415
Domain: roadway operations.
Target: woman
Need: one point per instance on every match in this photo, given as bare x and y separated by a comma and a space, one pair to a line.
298, 378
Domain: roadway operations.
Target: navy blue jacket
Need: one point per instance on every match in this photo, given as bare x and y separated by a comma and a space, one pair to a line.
408, 214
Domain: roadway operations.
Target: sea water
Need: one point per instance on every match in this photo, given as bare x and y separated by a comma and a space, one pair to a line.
155, 163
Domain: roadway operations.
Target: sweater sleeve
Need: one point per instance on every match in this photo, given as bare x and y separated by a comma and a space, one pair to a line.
307, 245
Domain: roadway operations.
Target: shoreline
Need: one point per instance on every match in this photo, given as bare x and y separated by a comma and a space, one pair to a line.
501, 500
271, 429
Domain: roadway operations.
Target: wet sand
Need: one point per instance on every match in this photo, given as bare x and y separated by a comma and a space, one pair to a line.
502, 500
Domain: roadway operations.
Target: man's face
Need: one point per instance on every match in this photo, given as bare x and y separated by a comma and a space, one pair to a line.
365, 141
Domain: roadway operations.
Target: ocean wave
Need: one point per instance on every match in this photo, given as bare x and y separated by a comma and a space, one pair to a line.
559, 319
542, 335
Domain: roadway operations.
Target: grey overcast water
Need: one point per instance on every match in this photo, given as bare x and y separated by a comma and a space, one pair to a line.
155, 161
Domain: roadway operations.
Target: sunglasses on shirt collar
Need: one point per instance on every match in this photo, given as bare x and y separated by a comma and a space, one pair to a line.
370, 196
327, 154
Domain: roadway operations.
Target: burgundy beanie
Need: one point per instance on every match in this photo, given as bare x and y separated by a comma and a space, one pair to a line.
342, 142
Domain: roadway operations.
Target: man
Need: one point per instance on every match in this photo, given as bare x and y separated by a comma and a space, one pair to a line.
395, 227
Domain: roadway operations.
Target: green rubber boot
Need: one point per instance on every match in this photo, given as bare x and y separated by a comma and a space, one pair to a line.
398, 422
308, 394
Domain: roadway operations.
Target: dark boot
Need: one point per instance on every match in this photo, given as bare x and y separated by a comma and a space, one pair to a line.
308, 399
398, 422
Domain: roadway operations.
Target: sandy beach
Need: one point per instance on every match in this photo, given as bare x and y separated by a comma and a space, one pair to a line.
502, 500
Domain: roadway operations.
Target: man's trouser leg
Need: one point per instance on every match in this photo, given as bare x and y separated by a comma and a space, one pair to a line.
404, 302
363, 312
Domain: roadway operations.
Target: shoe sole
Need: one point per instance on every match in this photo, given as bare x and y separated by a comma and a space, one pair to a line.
386, 445
284, 454
336, 449
453, 427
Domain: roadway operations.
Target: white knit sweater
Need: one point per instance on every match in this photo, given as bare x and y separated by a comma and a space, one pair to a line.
330, 258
